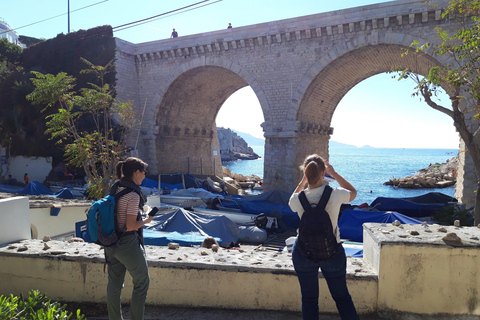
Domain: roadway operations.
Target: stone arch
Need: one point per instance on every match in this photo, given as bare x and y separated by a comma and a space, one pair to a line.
185, 115
334, 79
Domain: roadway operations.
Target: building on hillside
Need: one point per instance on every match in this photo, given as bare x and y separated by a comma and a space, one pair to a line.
9, 34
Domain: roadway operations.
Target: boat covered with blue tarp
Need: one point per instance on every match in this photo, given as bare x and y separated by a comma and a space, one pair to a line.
189, 223
36, 188
351, 221
426, 205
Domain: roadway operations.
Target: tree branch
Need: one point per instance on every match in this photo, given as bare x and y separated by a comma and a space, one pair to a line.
427, 96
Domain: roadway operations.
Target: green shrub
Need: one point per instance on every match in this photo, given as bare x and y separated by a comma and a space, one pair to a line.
36, 307
449, 214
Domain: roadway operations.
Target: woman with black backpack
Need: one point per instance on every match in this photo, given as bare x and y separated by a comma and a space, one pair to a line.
318, 244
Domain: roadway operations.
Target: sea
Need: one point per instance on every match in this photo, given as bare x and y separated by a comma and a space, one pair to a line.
368, 168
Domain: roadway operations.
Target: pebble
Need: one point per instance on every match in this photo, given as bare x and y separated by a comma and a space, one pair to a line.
452, 237
204, 253
214, 248
442, 229
456, 223
22, 248
46, 246
396, 223
46, 239
414, 233
173, 245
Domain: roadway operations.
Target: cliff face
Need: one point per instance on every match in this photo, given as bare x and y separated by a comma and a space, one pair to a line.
233, 147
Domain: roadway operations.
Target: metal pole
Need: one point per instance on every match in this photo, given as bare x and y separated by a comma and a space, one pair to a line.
68, 16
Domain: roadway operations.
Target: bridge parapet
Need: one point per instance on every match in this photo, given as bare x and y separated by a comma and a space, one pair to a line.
361, 19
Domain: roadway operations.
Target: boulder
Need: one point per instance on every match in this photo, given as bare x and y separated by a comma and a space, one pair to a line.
438, 175
233, 147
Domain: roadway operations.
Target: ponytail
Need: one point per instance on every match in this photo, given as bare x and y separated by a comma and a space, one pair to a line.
313, 166
126, 169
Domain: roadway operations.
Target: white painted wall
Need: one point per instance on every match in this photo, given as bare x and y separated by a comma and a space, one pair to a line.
15, 217
37, 168
44, 224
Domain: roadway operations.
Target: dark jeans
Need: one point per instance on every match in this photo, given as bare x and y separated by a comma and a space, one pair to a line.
334, 271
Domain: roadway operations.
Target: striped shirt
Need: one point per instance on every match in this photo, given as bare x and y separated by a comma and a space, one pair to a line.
126, 205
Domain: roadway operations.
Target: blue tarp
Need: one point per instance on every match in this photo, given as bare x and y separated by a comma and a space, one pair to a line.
265, 203
189, 223
407, 207
351, 221
35, 188
160, 238
353, 252
150, 183
65, 193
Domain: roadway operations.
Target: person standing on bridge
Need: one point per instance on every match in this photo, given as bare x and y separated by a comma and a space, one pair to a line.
318, 244
174, 34
229, 26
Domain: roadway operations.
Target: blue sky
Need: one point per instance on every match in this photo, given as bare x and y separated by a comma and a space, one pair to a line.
379, 112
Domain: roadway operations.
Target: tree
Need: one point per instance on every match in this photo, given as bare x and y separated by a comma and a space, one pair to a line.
460, 77
95, 143
9, 69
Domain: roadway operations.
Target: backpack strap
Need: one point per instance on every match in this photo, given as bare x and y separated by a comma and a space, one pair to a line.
122, 193
322, 203
304, 201
325, 197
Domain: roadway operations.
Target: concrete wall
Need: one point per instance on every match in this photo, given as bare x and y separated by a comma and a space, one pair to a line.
43, 223
422, 273
172, 283
408, 272
15, 218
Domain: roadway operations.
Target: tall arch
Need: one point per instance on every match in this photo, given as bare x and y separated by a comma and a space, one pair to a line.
320, 99
186, 136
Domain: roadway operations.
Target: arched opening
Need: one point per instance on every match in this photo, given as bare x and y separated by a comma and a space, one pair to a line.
186, 130
382, 132
332, 84
242, 113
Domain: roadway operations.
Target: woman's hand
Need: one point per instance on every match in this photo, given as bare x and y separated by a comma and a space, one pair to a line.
329, 168
301, 185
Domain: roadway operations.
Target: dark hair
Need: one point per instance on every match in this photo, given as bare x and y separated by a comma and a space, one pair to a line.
126, 168
313, 167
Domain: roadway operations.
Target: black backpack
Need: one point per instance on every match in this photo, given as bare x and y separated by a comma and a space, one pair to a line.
315, 234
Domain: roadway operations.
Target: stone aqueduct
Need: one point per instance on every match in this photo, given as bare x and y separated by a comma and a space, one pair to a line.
299, 69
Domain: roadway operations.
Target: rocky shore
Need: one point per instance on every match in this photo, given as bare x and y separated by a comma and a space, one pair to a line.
240, 181
437, 175
233, 147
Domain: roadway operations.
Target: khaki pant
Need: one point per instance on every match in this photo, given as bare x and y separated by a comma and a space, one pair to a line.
129, 256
